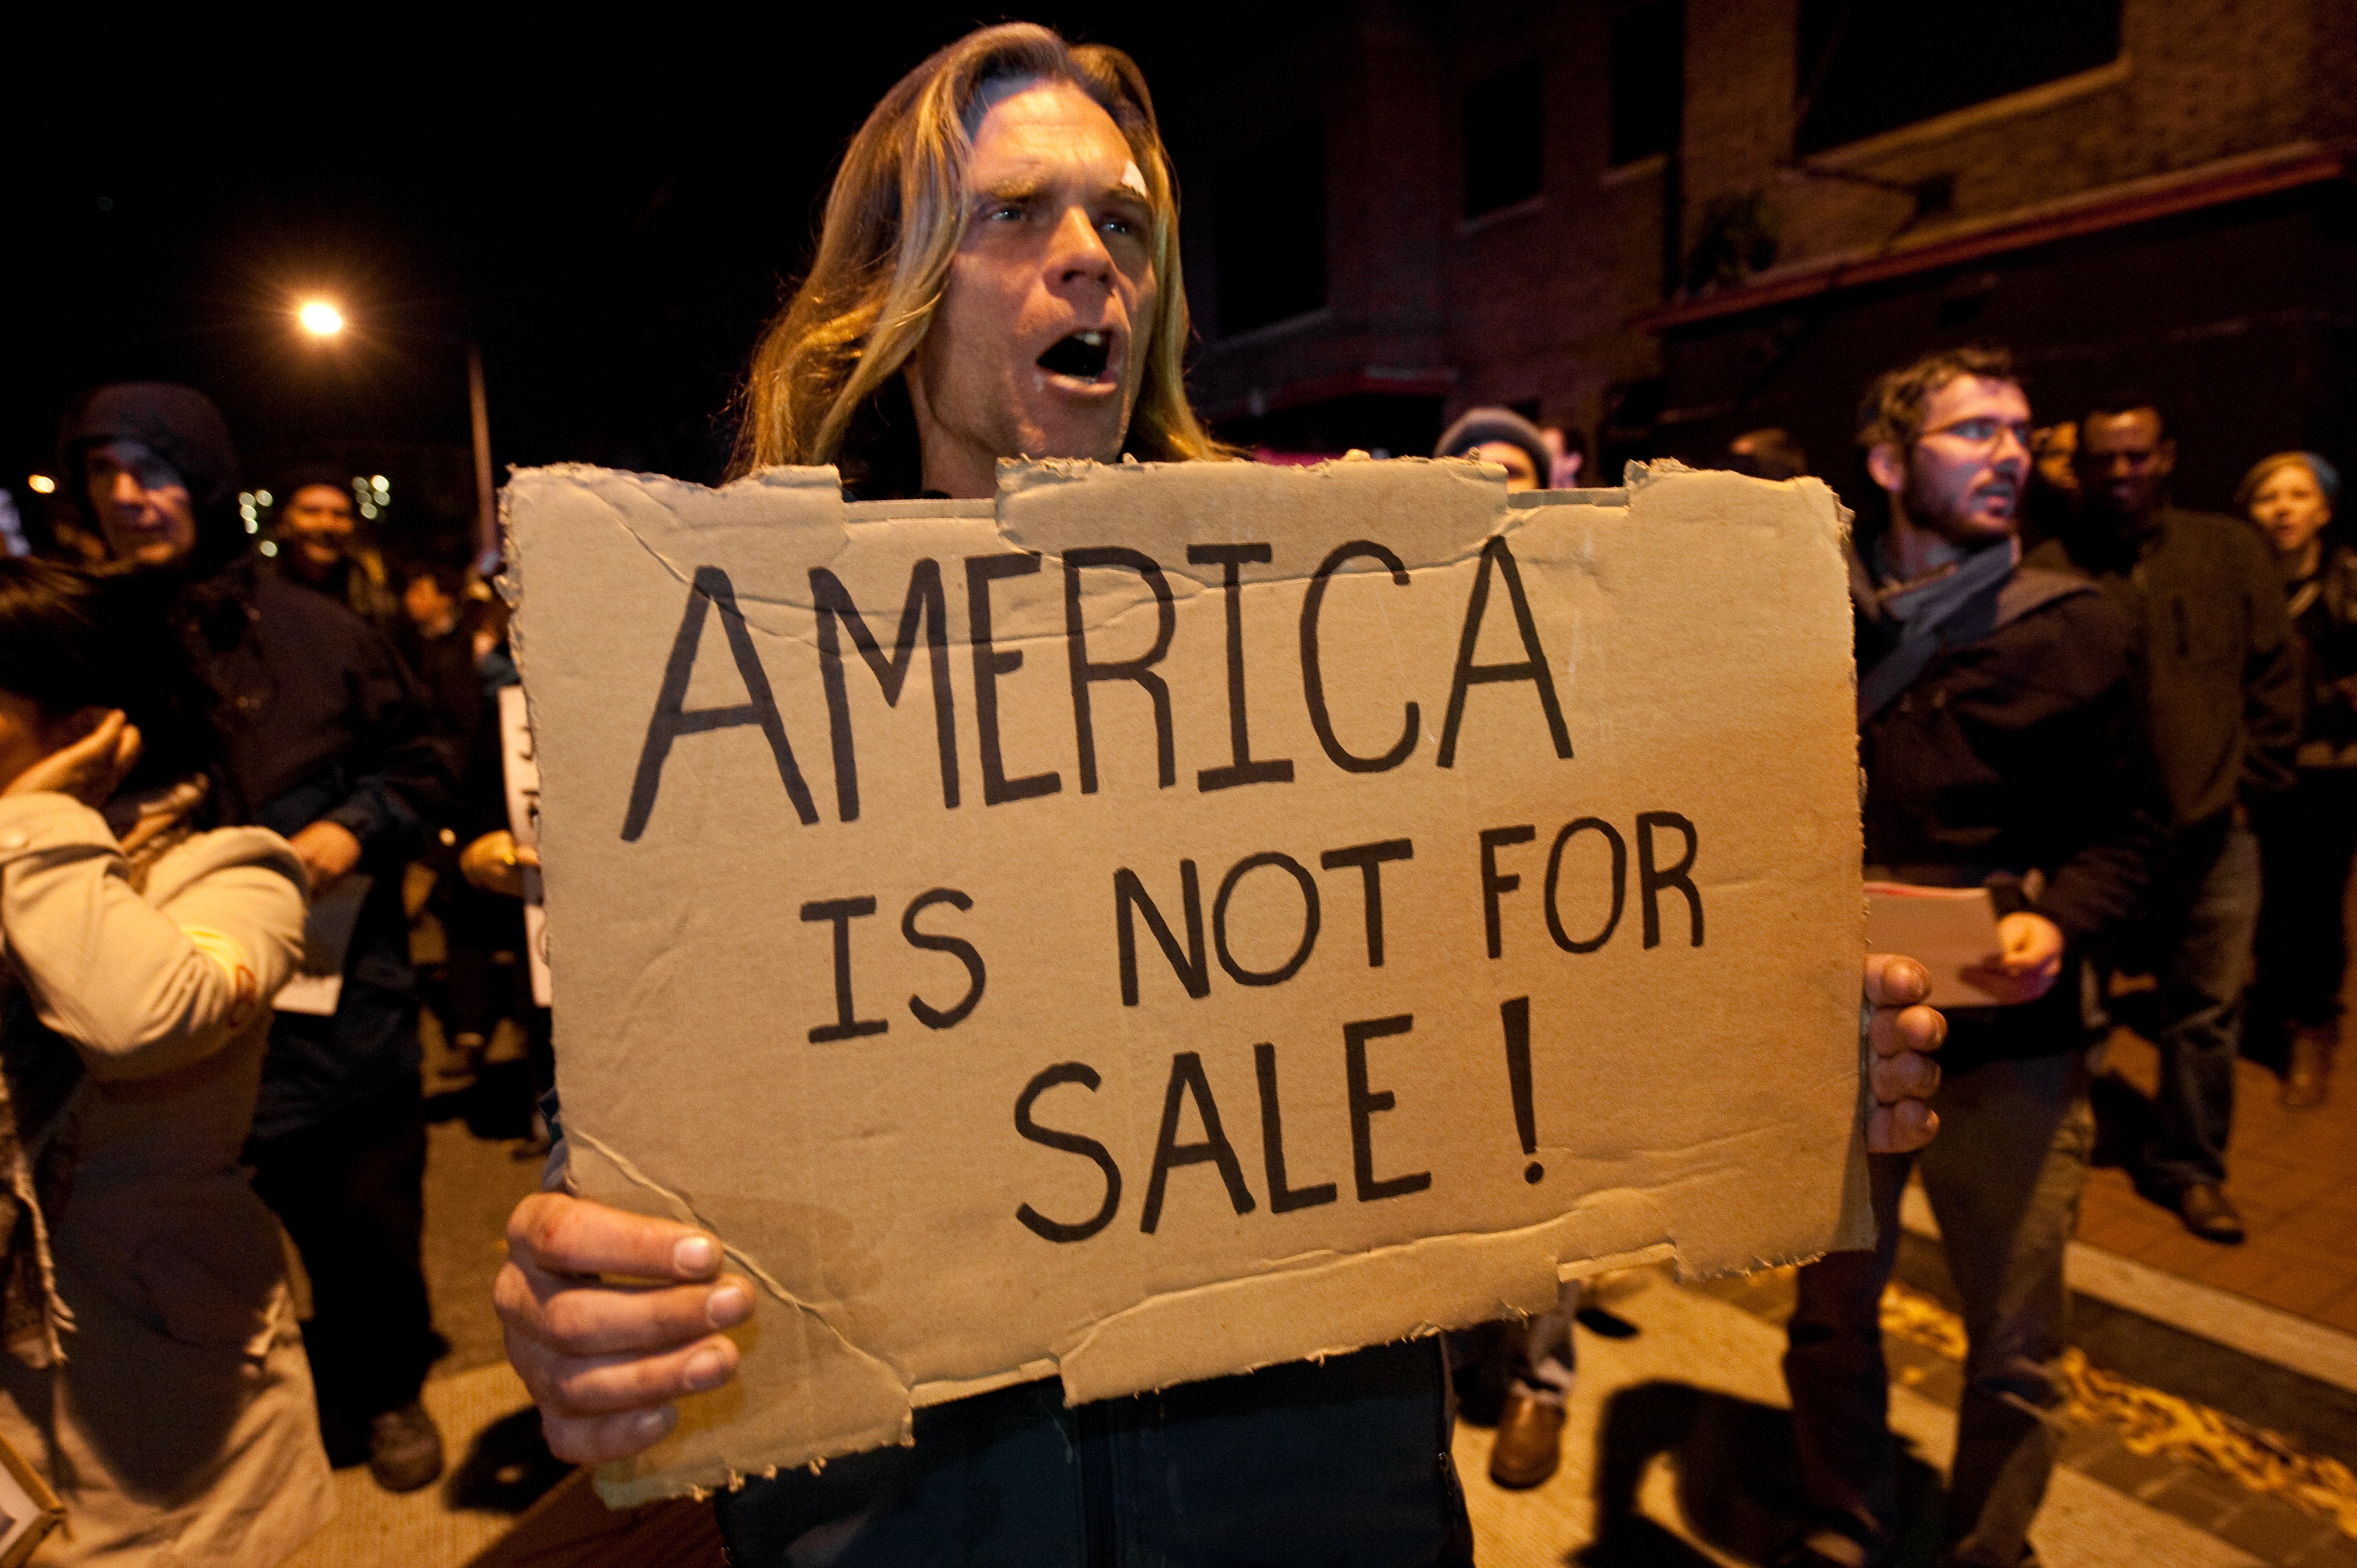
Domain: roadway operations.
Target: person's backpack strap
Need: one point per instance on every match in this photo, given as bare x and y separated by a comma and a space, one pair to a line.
2025, 590
2032, 588
1884, 684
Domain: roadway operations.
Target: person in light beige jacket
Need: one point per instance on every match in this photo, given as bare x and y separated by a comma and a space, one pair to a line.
153, 1371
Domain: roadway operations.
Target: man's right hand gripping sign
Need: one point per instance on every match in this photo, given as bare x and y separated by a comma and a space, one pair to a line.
1034, 311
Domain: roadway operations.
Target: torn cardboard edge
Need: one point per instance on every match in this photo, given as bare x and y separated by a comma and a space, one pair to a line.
1345, 1297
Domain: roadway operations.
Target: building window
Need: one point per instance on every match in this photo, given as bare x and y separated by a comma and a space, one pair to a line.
1268, 216
1648, 52
1503, 126
1869, 67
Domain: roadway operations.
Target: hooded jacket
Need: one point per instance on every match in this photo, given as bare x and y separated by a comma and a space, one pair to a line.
180, 426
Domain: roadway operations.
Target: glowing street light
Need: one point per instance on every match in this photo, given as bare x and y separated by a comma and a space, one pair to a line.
323, 320
40, 484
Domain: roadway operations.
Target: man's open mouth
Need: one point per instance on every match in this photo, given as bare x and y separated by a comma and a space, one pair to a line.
1080, 355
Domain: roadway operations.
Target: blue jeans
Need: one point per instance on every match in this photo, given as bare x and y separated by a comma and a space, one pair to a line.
2004, 1178
2205, 915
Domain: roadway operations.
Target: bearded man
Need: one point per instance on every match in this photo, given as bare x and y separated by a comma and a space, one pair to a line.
998, 277
1999, 734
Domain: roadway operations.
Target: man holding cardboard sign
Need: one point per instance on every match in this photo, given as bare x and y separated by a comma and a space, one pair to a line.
1998, 732
992, 1151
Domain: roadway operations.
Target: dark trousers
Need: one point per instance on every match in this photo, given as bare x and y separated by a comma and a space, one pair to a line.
479, 927
351, 1192
2004, 1178
1533, 1356
1341, 1461
2205, 915
2305, 843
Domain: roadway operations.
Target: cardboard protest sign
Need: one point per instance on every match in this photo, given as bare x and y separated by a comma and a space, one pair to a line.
1181, 918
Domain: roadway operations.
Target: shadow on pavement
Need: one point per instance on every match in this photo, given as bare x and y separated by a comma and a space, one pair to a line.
1738, 1479
507, 1469
2124, 1123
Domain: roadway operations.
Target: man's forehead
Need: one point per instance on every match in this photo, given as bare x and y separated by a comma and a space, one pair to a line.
1962, 396
1052, 129
2121, 426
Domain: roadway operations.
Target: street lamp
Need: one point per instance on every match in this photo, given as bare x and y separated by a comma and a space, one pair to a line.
321, 319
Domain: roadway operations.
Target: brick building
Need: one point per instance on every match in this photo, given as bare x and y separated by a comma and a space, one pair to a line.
1665, 222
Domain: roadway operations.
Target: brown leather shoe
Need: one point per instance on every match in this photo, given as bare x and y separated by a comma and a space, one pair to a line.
2210, 1215
1530, 1442
2310, 1071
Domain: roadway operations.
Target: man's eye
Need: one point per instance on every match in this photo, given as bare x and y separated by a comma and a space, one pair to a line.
1004, 213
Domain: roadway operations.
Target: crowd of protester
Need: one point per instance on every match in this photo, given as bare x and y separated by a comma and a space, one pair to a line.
223, 772
2136, 724
2148, 715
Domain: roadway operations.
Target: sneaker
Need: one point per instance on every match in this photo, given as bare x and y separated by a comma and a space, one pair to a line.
405, 1448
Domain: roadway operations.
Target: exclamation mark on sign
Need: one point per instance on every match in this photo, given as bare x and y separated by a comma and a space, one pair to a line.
1516, 1016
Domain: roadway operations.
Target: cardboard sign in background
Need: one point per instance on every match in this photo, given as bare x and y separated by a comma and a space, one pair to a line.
1281, 911
520, 772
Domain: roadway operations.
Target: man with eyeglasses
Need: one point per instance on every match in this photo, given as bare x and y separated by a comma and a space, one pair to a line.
1997, 727
2218, 682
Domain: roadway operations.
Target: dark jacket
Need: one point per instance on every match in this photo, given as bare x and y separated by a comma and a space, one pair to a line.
321, 722
2324, 609
2216, 671
358, 584
452, 684
1340, 1460
2016, 750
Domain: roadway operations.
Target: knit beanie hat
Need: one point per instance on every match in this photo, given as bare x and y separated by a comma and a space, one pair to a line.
180, 426
1481, 425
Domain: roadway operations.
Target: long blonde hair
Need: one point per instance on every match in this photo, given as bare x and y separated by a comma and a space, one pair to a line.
824, 385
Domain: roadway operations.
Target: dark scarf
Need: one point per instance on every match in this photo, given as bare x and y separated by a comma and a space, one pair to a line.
1917, 609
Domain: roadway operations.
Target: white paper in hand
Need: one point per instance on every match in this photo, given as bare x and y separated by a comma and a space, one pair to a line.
318, 985
1949, 930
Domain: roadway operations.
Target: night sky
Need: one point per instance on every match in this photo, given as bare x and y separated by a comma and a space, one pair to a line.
611, 216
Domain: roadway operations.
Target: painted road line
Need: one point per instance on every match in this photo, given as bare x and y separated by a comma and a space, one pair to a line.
2281, 1338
